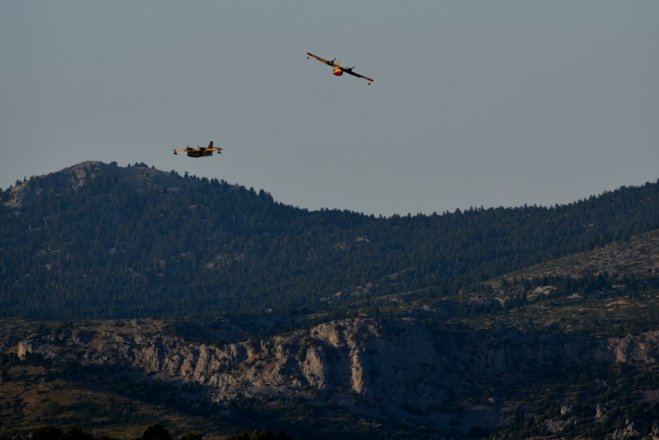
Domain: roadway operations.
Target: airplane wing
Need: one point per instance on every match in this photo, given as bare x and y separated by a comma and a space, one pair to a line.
370, 80
321, 60
212, 148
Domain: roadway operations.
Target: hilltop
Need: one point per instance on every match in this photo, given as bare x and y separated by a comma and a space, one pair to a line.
101, 241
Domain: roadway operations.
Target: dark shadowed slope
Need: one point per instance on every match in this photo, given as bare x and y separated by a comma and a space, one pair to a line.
98, 240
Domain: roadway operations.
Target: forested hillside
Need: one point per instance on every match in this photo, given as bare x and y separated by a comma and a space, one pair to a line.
102, 241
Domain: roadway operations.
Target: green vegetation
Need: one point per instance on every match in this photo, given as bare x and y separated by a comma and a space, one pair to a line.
260, 435
154, 432
55, 401
137, 242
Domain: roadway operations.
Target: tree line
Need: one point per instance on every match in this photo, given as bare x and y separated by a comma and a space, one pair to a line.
148, 243
153, 432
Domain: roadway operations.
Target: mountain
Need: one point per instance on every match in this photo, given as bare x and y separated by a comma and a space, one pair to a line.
209, 307
350, 378
549, 361
101, 241
571, 349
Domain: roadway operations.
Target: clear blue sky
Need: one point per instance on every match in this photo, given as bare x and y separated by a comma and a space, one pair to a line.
474, 103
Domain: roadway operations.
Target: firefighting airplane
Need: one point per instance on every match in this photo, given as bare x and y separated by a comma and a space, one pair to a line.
198, 151
339, 70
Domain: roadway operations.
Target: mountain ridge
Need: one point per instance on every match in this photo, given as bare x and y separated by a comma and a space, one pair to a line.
495, 323
78, 174
145, 242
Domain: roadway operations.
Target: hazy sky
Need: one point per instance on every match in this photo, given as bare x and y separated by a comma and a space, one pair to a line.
474, 102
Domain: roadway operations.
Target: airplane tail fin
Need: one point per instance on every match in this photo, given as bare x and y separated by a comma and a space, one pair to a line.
210, 145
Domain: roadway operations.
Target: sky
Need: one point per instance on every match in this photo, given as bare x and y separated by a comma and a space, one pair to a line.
475, 102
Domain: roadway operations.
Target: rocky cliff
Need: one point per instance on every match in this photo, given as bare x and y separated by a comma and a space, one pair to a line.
400, 367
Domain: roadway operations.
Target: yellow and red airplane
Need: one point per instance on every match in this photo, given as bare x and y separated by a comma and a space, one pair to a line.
198, 151
339, 70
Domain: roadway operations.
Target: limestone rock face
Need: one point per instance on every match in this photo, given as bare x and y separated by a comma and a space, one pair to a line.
314, 367
24, 348
642, 349
397, 361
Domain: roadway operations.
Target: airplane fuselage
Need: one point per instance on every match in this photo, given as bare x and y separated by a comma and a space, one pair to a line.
337, 69
199, 153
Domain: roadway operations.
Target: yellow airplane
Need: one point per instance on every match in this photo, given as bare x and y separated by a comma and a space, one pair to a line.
339, 70
198, 151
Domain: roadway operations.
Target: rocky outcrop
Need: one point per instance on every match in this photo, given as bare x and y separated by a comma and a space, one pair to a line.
24, 193
641, 349
389, 369
394, 361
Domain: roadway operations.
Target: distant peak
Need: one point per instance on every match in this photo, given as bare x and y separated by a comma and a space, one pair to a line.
78, 176
24, 193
